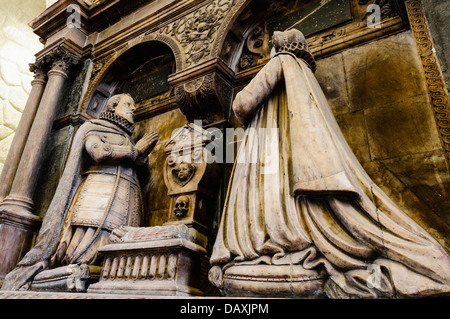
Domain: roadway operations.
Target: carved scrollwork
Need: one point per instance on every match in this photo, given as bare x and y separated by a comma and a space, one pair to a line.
256, 48
435, 83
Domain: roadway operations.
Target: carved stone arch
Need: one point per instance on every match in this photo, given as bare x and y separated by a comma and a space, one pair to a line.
176, 48
228, 25
103, 66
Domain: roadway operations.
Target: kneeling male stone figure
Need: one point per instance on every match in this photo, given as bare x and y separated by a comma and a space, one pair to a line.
98, 191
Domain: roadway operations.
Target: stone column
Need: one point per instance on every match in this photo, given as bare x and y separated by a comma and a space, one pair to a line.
23, 130
19, 200
18, 224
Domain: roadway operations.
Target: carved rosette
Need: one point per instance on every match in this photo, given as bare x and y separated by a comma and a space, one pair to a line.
434, 80
188, 173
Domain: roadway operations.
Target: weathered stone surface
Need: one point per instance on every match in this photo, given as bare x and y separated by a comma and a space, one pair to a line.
383, 72
417, 208
333, 79
156, 194
401, 128
430, 182
390, 119
354, 128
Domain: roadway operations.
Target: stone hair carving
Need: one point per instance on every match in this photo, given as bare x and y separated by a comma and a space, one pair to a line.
315, 221
99, 191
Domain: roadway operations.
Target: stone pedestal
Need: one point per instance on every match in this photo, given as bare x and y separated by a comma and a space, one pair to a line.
16, 235
265, 281
152, 261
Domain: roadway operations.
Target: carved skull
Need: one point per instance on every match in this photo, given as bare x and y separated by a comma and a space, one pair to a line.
182, 206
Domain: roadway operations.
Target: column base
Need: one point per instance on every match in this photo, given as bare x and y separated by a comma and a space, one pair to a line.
20, 206
16, 237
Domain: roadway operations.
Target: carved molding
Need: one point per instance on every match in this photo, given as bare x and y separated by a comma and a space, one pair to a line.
72, 120
434, 80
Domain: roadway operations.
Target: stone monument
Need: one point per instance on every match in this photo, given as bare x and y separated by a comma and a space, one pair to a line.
316, 225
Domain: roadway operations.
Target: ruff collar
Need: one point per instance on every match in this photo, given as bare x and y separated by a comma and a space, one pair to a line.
126, 125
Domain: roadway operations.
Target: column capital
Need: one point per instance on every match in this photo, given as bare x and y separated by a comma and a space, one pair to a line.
40, 71
58, 59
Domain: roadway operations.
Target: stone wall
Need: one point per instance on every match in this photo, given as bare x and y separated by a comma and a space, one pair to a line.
379, 96
18, 44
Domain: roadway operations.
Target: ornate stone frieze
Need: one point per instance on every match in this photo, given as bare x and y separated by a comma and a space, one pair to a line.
434, 80
198, 31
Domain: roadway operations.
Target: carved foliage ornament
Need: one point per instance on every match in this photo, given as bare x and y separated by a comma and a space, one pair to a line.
198, 31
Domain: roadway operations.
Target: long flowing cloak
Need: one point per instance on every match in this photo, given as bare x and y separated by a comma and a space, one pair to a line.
37, 259
318, 207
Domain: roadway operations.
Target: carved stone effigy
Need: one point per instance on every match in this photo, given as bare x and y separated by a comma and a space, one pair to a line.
167, 260
99, 191
315, 224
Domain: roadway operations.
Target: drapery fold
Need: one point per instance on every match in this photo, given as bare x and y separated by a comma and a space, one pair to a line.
300, 192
